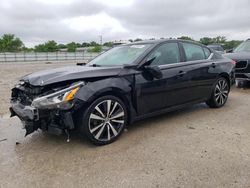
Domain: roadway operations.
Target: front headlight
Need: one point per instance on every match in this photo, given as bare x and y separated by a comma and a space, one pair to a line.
60, 99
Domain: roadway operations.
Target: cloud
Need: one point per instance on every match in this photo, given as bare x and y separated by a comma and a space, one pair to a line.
36, 21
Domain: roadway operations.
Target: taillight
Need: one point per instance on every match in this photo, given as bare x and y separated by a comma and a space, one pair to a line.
233, 62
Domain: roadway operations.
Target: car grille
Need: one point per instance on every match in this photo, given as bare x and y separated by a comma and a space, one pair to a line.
242, 64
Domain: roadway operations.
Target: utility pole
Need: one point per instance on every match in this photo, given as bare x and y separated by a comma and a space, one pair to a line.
100, 39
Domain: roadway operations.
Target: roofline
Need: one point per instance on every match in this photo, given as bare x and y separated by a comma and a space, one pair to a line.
159, 41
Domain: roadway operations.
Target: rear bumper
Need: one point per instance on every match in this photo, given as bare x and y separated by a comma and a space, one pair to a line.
242, 76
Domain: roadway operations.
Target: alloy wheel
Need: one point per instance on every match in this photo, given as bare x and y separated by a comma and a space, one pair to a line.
106, 120
221, 92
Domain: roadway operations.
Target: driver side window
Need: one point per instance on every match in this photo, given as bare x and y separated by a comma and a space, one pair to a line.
166, 54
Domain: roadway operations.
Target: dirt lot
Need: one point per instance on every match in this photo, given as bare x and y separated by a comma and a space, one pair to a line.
193, 147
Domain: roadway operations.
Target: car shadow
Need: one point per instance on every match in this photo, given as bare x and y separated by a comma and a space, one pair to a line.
44, 139
167, 116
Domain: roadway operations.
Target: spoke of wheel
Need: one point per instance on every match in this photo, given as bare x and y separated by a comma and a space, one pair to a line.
217, 98
218, 87
224, 95
113, 129
216, 94
108, 129
99, 110
97, 127
108, 107
117, 115
224, 85
94, 116
221, 84
113, 109
222, 99
97, 136
117, 121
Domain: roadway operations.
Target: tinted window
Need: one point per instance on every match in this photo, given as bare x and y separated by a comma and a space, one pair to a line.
166, 54
207, 52
193, 52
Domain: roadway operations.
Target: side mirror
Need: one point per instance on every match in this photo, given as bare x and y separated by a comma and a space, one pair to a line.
155, 71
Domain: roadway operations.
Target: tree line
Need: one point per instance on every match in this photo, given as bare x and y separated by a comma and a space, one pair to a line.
11, 43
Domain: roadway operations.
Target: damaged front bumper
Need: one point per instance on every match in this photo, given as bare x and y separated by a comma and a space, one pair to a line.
53, 121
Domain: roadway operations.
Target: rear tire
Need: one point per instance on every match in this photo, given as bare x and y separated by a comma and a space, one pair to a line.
104, 120
219, 94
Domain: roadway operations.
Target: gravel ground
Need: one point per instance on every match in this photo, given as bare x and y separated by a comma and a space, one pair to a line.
193, 147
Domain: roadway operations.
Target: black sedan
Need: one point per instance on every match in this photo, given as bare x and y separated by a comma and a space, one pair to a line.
125, 84
241, 55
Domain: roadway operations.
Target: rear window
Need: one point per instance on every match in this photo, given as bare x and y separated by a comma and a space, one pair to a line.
193, 52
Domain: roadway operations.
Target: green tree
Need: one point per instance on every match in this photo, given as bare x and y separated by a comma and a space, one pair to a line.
206, 40
10, 43
108, 44
216, 40
95, 49
72, 47
231, 44
85, 44
50, 46
93, 43
40, 48
25, 49
219, 40
61, 46
185, 38
137, 40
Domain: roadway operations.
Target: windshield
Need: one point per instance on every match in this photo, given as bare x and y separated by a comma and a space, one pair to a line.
120, 55
243, 47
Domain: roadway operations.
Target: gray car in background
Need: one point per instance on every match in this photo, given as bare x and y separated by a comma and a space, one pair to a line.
217, 48
241, 55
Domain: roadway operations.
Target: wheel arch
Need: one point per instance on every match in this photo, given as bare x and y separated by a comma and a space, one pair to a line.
227, 77
119, 88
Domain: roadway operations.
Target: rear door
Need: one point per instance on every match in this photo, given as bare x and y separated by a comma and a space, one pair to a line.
203, 72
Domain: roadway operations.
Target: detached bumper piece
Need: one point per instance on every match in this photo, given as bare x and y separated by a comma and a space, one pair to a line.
24, 112
52, 121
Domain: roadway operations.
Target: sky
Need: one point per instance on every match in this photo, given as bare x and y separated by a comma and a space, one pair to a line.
37, 21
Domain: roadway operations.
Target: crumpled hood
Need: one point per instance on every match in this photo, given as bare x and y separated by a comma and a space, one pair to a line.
51, 76
238, 55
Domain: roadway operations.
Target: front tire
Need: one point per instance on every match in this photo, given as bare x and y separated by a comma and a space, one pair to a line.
219, 94
104, 120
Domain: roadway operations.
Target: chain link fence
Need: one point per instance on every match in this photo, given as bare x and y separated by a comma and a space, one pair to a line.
50, 56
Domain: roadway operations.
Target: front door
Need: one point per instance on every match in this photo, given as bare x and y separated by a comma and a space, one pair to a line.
172, 89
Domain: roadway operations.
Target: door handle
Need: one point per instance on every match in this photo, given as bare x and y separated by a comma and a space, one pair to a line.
213, 65
181, 73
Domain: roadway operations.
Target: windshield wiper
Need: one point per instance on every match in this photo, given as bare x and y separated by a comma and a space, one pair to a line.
95, 65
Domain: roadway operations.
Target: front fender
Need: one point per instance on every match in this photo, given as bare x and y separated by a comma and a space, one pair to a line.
93, 89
